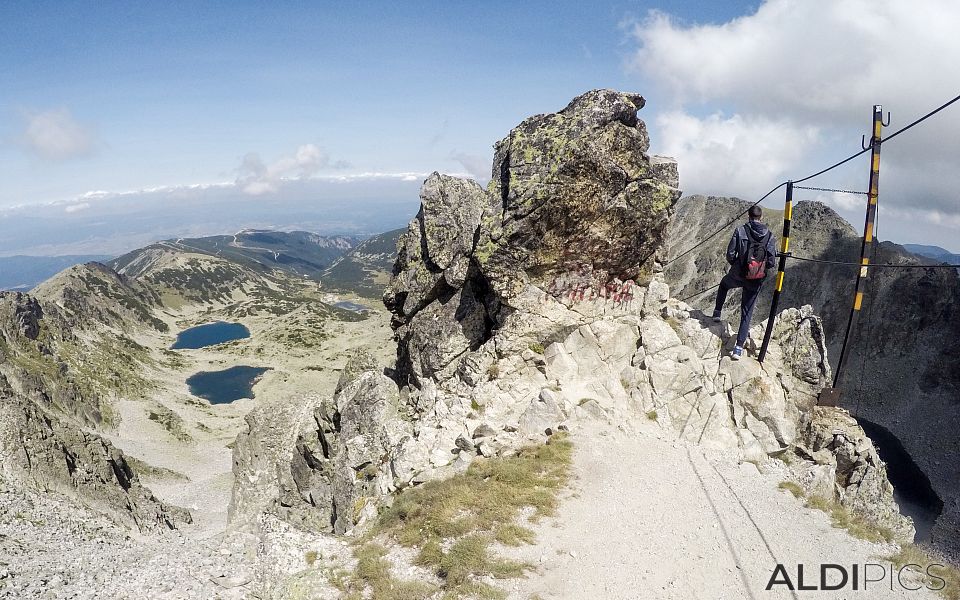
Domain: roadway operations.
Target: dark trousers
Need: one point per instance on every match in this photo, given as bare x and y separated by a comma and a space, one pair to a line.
751, 291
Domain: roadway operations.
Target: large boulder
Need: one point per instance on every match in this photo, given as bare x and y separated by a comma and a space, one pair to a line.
833, 439
576, 207
576, 192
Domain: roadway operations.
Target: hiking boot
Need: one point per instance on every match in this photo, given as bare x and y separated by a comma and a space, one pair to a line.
716, 317
737, 353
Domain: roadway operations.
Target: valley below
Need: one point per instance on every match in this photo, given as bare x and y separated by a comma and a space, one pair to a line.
505, 399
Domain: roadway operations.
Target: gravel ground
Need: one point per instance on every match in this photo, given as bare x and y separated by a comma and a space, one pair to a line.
652, 518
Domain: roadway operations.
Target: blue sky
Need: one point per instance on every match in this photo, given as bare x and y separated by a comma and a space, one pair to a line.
179, 94
119, 97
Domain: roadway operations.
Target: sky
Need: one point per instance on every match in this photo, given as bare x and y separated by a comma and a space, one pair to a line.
300, 114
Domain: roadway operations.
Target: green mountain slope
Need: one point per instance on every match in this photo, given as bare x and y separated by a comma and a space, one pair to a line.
365, 269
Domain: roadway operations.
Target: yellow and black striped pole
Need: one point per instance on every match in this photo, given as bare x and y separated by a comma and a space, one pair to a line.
784, 248
868, 232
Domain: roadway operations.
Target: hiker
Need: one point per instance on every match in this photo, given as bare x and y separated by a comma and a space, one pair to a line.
751, 255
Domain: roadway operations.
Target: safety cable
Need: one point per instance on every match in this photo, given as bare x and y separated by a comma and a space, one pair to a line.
728, 224
700, 293
920, 120
872, 266
818, 189
833, 166
817, 174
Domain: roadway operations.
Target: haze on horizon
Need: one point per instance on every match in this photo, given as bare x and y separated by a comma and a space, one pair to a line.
124, 124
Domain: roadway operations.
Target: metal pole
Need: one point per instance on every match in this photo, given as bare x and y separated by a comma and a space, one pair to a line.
784, 247
867, 239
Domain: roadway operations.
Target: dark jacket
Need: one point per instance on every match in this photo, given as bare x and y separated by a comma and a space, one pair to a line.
738, 246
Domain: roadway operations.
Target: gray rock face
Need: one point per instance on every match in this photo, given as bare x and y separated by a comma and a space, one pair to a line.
43, 414
44, 451
576, 192
902, 371
860, 475
576, 206
345, 456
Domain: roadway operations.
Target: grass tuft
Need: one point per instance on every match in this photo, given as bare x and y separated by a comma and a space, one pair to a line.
842, 517
453, 522
945, 578
373, 569
792, 487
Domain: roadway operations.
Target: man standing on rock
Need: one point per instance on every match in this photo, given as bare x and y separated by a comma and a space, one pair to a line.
751, 255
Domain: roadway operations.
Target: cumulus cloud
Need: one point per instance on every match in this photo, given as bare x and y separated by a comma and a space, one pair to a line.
788, 89
477, 167
732, 153
256, 178
56, 135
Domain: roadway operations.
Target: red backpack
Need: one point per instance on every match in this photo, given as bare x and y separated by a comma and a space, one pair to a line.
754, 260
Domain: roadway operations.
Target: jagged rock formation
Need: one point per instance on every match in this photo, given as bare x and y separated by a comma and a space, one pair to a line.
47, 452
342, 457
533, 306
902, 370
575, 204
43, 410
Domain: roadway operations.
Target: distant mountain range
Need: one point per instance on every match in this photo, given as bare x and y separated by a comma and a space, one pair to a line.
339, 262
23, 273
298, 253
934, 252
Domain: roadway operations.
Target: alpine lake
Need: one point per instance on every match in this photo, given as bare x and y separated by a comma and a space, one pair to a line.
227, 385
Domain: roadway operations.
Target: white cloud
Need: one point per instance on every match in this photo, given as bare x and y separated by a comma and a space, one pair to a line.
798, 79
75, 207
732, 154
257, 178
477, 166
56, 135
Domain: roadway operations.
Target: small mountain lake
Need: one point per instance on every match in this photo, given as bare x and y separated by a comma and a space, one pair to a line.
223, 387
210, 334
352, 306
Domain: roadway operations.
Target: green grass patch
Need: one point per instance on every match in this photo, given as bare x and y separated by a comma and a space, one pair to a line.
536, 347
452, 524
842, 517
948, 583
793, 488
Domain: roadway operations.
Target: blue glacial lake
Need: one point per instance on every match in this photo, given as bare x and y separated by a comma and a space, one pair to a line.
352, 306
210, 334
223, 387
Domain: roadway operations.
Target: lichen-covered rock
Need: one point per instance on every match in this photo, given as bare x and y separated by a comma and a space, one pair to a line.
434, 255
576, 192
576, 208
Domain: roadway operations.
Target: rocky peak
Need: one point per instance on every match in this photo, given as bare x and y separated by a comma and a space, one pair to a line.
575, 206
576, 191
534, 306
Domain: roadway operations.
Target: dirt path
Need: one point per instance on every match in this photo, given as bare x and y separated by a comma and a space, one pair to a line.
655, 519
